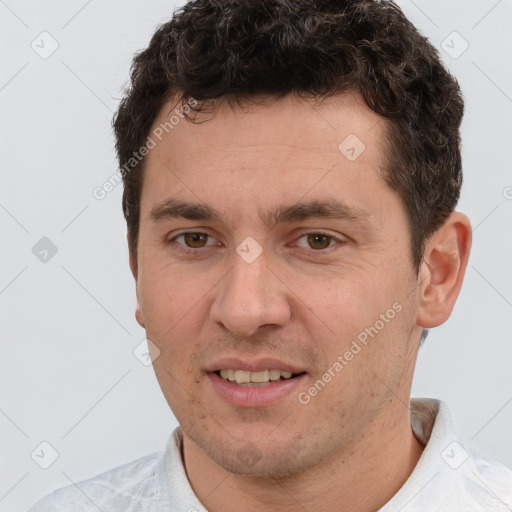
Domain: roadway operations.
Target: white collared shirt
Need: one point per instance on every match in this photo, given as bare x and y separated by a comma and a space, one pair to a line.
447, 478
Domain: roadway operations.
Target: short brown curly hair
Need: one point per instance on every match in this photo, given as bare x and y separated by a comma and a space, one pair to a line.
234, 50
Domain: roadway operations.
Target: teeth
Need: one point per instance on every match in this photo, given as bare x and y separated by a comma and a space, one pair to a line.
242, 377
259, 376
245, 377
274, 375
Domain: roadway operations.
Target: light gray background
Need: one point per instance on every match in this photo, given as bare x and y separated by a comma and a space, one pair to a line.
68, 373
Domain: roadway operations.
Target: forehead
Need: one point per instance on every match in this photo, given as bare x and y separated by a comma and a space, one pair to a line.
287, 121
278, 151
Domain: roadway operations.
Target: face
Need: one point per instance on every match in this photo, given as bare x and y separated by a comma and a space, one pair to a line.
265, 249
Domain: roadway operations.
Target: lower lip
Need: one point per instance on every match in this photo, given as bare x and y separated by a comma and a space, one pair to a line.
257, 396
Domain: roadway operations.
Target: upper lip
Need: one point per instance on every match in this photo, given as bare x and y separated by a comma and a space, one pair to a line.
256, 365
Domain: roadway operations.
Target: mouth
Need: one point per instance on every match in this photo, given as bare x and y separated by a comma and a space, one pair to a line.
254, 384
244, 378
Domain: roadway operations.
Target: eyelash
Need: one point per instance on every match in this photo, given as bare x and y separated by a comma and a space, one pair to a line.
192, 250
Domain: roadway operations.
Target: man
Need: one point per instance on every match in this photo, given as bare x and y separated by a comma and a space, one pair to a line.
291, 171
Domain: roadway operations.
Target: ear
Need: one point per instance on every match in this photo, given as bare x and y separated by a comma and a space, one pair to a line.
135, 272
442, 271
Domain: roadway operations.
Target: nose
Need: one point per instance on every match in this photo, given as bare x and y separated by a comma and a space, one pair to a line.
250, 296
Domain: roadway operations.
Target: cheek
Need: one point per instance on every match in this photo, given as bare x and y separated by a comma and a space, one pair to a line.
358, 315
366, 355
171, 296
175, 312
344, 302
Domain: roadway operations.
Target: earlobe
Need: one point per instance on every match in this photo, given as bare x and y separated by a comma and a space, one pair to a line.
442, 272
134, 268
138, 308
138, 315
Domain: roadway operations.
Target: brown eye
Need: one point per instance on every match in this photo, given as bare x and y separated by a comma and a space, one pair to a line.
319, 241
195, 240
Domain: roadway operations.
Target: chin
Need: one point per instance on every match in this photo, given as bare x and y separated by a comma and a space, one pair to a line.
266, 467
259, 458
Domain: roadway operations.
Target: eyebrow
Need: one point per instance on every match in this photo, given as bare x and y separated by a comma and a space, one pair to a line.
326, 209
300, 211
172, 208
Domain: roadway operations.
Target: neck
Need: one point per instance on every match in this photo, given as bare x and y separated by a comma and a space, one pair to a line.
364, 477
